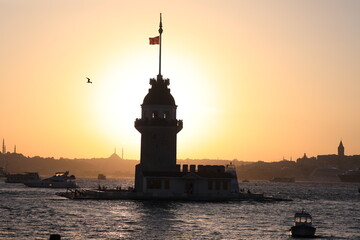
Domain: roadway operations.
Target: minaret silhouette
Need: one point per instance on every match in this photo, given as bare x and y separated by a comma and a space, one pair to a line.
3, 147
158, 127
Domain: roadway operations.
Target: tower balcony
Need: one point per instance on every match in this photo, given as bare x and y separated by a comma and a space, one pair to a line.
158, 122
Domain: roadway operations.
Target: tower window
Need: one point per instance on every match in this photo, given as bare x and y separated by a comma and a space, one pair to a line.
155, 114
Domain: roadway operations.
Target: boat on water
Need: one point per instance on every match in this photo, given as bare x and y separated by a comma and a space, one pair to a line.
350, 176
278, 179
101, 176
302, 225
21, 177
59, 180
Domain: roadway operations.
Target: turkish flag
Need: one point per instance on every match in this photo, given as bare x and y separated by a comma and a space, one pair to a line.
154, 40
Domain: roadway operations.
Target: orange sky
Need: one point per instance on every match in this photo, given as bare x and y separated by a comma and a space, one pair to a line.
253, 80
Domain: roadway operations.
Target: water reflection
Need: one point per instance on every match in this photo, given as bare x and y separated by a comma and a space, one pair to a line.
37, 213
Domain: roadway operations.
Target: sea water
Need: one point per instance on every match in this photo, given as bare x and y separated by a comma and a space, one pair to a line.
35, 213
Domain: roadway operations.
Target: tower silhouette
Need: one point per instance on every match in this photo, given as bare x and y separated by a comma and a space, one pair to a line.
158, 127
341, 149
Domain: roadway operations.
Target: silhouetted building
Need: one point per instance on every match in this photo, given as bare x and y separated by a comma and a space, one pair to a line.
331, 161
158, 127
341, 150
157, 174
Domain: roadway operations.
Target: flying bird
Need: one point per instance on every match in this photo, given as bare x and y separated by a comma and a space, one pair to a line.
88, 80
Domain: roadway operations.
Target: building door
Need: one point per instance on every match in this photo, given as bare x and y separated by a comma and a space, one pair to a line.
189, 187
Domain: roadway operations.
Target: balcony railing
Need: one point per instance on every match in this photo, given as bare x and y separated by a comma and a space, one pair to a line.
163, 122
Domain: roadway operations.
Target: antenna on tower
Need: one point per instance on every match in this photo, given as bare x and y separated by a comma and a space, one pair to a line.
160, 32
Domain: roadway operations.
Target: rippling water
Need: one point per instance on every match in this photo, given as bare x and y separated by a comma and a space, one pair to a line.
30, 213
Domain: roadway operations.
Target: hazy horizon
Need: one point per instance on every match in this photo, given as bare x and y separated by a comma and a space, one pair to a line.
253, 80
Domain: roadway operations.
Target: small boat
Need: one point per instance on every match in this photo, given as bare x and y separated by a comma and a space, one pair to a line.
101, 177
302, 225
21, 177
59, 180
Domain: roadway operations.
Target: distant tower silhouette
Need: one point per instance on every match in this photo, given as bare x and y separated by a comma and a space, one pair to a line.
3, 147
158, 127
341, 149
15, 149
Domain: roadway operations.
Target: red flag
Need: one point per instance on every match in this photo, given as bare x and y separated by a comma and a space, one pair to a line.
154, 40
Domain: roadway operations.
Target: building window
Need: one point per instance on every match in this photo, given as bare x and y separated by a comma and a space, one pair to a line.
210, 185
153, 183
217, 185
166, 184
225, 185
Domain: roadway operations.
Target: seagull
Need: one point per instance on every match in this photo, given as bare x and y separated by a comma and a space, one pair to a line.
88, 80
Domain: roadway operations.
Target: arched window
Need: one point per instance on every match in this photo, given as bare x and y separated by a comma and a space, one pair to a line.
155, 114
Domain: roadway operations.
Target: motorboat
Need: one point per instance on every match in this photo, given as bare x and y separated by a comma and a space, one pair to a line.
302, 225
59, 180
21, 177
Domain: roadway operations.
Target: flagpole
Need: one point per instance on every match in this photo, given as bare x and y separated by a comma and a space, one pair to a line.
160, 31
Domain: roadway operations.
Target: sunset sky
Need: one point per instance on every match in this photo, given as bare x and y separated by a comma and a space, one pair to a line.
253, 80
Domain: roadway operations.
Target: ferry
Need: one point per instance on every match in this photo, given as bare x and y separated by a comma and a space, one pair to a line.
302, 225
350, 176
59, 180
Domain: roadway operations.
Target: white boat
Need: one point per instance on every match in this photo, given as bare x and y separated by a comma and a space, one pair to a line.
59, 180
302, 225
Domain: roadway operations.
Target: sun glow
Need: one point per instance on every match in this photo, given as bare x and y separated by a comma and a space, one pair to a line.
121, 87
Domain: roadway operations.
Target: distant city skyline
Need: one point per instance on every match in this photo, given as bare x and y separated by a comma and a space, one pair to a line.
253, 80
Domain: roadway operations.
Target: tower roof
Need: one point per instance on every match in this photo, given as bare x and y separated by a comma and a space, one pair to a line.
159, 93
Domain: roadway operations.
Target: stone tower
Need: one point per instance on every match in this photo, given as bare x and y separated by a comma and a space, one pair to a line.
158, 127
341, 149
